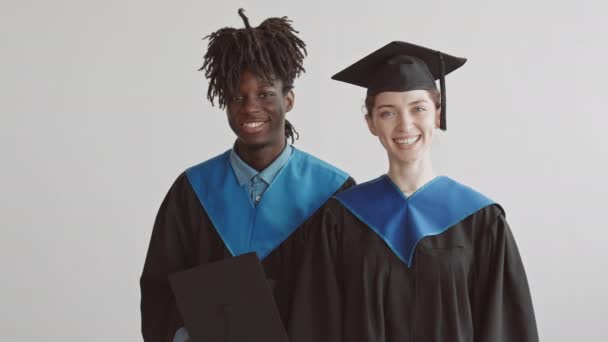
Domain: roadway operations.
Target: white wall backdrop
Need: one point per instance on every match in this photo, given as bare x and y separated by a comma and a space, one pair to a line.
101, 107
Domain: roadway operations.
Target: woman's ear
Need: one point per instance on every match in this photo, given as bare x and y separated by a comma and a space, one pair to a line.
438, 118
370, 124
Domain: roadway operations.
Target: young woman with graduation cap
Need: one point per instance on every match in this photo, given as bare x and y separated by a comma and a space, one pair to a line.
256, 197
416, 256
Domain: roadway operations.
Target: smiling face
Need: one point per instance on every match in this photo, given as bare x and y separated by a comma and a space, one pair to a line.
404, 122
256, 112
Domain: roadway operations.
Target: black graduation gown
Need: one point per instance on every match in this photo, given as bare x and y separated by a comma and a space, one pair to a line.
465, 283
184, 237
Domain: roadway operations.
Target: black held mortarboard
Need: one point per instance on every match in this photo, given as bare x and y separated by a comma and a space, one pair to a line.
228, 300
401, 66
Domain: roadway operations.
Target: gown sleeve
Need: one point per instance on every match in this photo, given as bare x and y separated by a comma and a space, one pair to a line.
501, 305
317, 298
341, 282
167, 253
306, 285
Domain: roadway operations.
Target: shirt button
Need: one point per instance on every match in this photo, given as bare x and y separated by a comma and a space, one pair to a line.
258, 198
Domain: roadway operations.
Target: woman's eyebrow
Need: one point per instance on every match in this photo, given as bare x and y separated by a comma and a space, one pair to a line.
417, 102
386, 106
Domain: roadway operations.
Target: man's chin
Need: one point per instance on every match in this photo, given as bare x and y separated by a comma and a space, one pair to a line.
252, 144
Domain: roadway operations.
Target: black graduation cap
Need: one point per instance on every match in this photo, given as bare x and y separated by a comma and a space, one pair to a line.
228, 300
401, 66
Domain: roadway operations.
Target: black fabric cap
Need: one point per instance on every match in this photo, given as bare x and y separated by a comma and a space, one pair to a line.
401, 66
228, 300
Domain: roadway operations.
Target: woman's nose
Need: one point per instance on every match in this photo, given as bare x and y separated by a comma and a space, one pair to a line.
406, 121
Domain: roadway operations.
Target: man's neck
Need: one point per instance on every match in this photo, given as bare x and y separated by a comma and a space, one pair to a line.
259, 157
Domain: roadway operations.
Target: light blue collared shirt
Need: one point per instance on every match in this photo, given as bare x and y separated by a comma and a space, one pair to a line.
256, 183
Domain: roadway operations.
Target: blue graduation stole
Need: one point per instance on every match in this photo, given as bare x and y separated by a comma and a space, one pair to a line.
403, 221
301, 187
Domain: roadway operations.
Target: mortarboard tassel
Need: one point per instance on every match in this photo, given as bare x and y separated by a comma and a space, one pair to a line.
442, 124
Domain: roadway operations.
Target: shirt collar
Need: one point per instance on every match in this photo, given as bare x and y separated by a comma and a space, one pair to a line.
244, 173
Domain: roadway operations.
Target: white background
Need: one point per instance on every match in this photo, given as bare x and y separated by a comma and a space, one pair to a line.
102, 107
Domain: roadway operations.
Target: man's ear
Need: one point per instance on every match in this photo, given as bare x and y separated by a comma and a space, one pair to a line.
290, 99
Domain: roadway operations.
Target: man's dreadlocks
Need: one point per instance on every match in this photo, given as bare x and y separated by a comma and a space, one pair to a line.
270, 51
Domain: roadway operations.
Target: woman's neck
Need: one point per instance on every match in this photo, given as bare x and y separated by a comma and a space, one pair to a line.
410, 176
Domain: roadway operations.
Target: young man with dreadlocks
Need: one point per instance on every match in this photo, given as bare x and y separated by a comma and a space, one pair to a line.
260, 196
